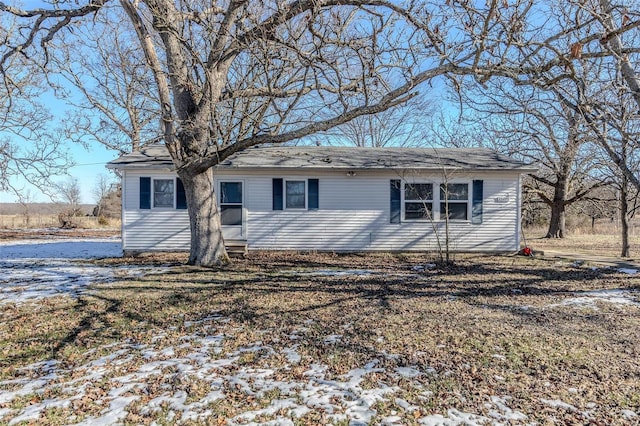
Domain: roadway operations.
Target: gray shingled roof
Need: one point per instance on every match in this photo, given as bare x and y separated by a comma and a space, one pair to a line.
331, 157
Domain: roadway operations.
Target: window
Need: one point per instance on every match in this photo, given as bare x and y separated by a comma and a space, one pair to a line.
295, 194
163, 190
418, 201
231, 203
454, 197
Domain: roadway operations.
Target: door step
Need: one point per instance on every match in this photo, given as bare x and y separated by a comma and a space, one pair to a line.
236, 248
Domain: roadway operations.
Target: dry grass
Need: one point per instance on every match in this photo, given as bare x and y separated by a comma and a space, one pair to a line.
39, 221
604, 241
489, 326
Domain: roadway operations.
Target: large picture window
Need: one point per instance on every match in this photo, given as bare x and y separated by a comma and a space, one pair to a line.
418, 201
163, 193
454, 201
295, 193
231, 203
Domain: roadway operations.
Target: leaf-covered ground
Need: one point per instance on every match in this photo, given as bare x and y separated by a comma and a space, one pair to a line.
283, 338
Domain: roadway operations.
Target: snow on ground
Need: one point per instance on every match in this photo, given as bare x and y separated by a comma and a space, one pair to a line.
130, 372
337, 272
35, 269
64, 248
166, 368
589, 299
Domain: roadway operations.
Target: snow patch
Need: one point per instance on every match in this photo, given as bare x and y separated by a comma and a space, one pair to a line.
556, 403
31, 270
421, 268
504, 412
60, 248
337, 272
408, 372
292, 355
614, 296
454, 418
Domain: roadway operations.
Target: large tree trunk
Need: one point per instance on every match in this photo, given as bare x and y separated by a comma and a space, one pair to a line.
207, 244
557, 223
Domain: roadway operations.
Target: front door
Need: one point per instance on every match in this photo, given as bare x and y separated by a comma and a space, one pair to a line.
231, 210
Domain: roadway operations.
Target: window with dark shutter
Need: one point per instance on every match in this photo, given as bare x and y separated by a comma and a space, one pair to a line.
145, 193
476, 206
395, 201
277, 194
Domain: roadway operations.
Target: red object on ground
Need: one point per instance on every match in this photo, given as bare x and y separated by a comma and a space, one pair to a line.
526, 251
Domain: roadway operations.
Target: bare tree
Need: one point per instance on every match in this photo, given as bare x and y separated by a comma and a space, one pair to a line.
621, 134
108, 196
36, 160
69, 195
535, 125
599, 56
449, 130
399, 126
116, 103
602, 204
25, 199
100, 191
28, 149
230, 75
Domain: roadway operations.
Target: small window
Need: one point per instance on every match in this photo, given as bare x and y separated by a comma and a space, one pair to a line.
163, 193
456, 196
418, 201
295, 191
231, 203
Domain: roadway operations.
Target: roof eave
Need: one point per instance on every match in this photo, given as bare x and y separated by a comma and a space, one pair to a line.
144, 166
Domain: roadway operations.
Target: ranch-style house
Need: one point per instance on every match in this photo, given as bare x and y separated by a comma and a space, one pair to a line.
332, 198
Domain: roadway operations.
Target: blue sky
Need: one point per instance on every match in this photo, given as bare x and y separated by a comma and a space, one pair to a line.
90, 162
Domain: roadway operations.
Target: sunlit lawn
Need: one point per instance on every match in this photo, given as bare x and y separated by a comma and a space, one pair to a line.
321, 338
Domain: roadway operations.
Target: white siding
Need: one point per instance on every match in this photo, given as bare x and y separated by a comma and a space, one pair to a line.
152, 229
353, 215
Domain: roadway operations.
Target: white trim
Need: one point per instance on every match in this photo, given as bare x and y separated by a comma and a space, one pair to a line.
469, 200
221, 181
437, 213
243, 210
403, 201
123, 209
518, 212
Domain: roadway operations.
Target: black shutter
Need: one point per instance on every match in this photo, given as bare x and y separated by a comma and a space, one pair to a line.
476, 206
277, 194
145, 192
395, 201
181, 197
314, 195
